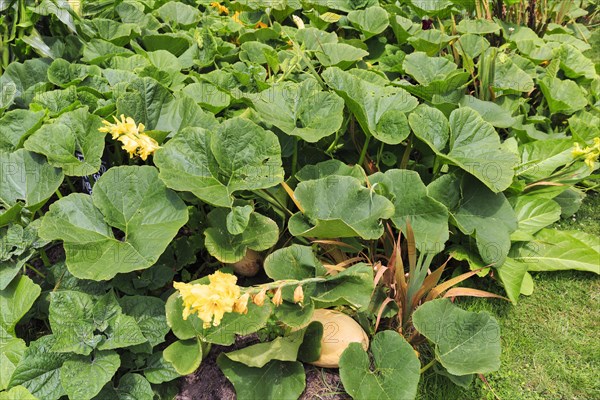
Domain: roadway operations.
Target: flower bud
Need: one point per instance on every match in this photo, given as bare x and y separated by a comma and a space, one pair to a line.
298, 295
241, 304
277, 300
259, 298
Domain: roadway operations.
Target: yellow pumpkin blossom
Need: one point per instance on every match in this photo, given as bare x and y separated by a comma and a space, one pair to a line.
298, 295
236, 18
259, 298
241, 304
589, 153
219, 7
134, 140
211, 302
277, 298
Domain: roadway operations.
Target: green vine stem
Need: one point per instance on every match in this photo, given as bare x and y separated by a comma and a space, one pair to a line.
429, 365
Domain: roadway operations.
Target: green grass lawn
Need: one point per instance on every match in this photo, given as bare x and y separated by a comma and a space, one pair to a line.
550, 340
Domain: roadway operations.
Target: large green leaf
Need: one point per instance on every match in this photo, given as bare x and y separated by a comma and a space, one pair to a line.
130, 199
260, 234
339, 206
353, 286
539, 159
11, 352
131, 387
380, 110
74, 131
430, 41
479, 26
17, 392
83, 378
574, 63
293, 262
488, 216
340, 55
282, 348
511, 274
81, 323
371, 21
178, 13
208, 96
16, 126
554, 250
28, 177
533, 214
509, 78
330, 167
240, 155
23, 79
149, 314
158, 370
184, 355
39, 370
16, 300
301, 109
277, 380
412, 204
474, 146
393, 373
427, 70
465, 342
431, 126
63, 73
490, 112
563, 96
150, 103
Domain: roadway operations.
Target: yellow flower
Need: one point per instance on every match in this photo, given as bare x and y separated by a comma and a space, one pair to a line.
236, 18
298, 294
130, 145
134, 140
591, 159
259, 298
241, 304
277, 299
211, 302
147, 146
590, 153
220, 8
578, 151
260, 25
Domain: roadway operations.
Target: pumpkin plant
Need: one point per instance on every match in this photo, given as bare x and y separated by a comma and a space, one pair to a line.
177, 174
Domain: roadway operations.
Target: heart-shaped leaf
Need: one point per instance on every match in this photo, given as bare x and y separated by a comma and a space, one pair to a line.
260, 234
83, 378
276, 380
474, 146
240, 155
301, 109
27, 177
465, 342
130, 199
39, 370
427, 216
395, 373
184, 355
380, 110
74, 131
16, 300
339, 206
16, 126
